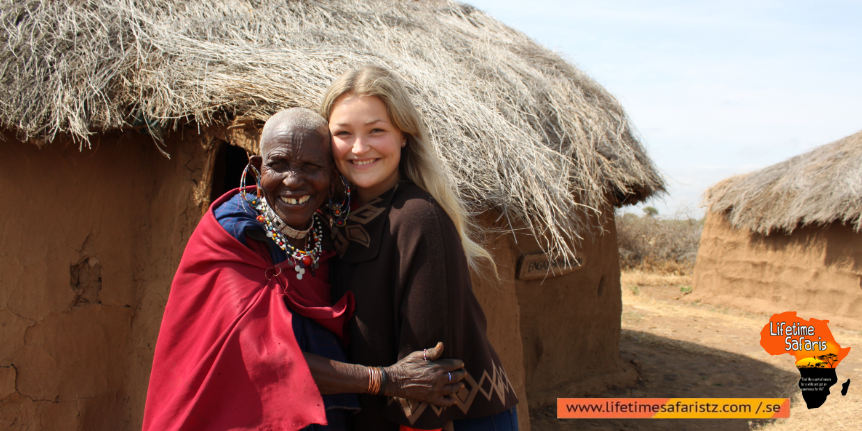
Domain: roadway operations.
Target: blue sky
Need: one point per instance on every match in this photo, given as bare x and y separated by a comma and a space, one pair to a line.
715, 88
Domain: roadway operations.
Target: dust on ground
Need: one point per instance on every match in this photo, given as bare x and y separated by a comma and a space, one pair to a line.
685, 349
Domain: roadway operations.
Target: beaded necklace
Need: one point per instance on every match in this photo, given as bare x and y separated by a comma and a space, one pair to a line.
282, 227
299, 259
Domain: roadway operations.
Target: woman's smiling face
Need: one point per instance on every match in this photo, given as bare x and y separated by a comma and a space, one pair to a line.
366, 145
295, 173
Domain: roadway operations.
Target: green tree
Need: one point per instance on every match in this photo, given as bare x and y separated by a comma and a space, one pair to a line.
650, 211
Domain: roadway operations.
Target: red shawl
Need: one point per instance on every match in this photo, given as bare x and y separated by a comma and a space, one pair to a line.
226, 357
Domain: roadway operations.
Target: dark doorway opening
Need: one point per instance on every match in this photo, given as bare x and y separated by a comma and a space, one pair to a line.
227, 170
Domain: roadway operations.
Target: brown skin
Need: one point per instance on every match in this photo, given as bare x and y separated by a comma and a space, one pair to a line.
412, 377
297, 163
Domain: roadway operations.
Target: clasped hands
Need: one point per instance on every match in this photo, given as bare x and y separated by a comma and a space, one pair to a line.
422, 377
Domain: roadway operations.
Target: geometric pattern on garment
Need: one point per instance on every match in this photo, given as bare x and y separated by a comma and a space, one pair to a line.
368, 211
358, 234
497, 383
355, 232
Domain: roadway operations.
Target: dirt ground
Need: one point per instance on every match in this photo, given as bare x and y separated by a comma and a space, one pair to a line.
686, 349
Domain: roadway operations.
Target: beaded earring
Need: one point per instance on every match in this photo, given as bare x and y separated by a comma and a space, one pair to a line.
338, 212
254, 202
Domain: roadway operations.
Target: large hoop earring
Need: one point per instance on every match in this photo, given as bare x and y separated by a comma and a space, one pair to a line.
338, 212
254, 202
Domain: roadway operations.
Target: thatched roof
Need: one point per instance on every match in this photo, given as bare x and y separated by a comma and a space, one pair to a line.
819, 187
520, 129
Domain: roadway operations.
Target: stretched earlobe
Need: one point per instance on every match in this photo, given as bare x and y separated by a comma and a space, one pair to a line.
256, 161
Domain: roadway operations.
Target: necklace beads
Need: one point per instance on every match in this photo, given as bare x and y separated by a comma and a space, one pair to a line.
282, 227
300, 259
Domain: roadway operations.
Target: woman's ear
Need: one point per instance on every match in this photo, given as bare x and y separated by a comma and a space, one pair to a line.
256, 161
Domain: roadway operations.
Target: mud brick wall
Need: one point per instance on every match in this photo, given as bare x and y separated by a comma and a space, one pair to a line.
816, 271
90, 241
544, 330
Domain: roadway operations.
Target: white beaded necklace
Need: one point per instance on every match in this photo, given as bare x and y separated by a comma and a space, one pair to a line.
300, 259
282, 227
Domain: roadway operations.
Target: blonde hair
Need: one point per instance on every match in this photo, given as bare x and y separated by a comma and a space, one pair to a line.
419, 162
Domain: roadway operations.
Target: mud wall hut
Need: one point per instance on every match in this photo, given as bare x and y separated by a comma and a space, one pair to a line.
788, 237
121, 121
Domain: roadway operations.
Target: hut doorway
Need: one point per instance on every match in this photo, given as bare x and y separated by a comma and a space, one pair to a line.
227, 169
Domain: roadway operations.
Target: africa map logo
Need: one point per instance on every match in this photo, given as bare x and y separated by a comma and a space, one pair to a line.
816, 352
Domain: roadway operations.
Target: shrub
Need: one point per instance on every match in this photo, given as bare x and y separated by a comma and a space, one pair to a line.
650, 243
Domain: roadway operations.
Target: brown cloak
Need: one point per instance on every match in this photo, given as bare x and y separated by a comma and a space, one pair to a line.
401, 256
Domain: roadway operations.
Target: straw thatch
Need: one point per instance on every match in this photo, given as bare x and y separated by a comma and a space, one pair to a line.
819, 187
520, 129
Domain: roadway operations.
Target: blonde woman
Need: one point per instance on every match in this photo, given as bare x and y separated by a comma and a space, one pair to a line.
405, 253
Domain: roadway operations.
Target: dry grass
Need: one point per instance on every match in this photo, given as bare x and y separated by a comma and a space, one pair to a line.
659, 246
519, 129
819, 187
645, 278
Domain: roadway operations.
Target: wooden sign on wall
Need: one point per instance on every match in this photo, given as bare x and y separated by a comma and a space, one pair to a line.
538, 266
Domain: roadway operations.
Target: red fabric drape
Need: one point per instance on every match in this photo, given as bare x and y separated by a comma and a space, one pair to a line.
226, 356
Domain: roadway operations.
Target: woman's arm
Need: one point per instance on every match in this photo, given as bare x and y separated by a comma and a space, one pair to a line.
412, 377
436, 302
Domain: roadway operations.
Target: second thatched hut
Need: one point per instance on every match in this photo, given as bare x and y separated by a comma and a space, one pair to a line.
788, 237
98, 93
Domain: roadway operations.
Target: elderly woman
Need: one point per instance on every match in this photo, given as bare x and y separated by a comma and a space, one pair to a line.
405, 254
250, 339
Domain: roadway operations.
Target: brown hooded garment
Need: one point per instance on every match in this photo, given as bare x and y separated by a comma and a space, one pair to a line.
401, 256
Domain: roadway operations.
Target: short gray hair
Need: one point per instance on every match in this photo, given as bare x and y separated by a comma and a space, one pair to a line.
293, 118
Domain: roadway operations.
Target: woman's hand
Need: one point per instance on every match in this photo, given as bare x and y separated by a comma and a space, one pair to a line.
413, 377
416, 378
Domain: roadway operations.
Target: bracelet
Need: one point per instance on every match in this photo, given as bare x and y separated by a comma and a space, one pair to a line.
374, 380
384, 378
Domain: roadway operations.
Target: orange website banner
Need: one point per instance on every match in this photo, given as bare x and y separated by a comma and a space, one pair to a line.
673, 408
